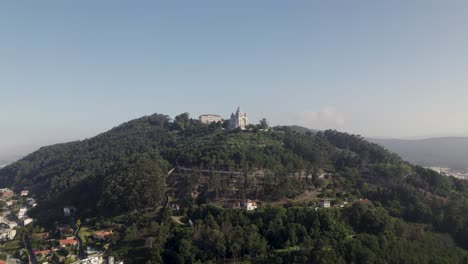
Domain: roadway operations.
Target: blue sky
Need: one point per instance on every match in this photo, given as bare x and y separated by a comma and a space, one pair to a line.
72, 69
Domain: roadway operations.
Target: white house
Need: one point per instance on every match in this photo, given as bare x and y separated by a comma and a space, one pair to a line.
325, 204
24, 193
22, 212
11, 224
27, 221
32, 202
93, 260
66, 211
7, 234
249, 205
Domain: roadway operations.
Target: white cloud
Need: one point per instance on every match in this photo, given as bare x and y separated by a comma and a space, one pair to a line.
326, 118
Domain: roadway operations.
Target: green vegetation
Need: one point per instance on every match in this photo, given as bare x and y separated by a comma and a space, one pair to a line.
358, 234
415, 215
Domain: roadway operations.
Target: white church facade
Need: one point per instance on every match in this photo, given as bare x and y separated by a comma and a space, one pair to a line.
238, 120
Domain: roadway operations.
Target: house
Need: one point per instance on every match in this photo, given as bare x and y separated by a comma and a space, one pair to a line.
42, 252
27, 221
249, 205
66, 211
101, 235
325, 204
9, 203
6, 193
32, 202
24, 193
22, 212
7, 234
69, 210
11, 224
68, 242
93, 260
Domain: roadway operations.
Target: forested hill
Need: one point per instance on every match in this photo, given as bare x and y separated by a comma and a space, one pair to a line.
124, 170
125, 167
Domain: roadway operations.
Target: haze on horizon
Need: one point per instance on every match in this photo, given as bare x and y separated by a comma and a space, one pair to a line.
71, 70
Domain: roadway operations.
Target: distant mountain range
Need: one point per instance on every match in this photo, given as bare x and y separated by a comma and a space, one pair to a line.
451, 152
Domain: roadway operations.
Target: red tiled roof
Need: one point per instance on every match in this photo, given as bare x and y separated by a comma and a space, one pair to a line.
65, 242
102, 234
7, 193
43, 252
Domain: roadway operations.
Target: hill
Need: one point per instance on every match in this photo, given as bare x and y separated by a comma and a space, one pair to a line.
385, 209
451, 152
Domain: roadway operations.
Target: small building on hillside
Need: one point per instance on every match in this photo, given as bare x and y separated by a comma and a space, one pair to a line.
27, 221
11, 224
325, 204
102, 235
69, 210
7, 234
249, 205
31, 202
7, 193
22, 212
24, 193
68, 242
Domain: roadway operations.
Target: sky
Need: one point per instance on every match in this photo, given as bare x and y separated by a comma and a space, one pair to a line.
72, 69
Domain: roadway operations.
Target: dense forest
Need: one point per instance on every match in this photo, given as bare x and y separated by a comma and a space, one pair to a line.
415, 215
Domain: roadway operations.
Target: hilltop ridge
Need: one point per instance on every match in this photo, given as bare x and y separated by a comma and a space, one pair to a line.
142, 171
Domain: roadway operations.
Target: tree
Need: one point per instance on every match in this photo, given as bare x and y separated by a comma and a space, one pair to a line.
182, 120
264, 124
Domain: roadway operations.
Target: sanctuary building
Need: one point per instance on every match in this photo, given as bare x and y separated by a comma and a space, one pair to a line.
238, 120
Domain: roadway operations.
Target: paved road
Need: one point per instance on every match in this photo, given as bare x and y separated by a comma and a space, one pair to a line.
27, 245
81, 251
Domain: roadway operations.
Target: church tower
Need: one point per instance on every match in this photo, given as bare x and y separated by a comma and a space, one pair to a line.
238, 119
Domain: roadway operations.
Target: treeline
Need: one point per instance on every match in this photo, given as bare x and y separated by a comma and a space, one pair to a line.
115, 172
359, 234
